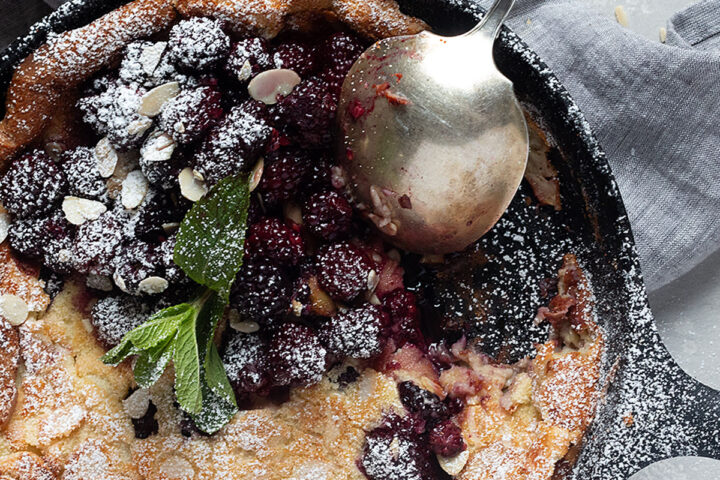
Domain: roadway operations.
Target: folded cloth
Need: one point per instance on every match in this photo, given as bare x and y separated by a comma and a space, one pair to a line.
656, 111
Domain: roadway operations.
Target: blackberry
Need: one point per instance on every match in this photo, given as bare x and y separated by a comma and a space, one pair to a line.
446, 439
146, 425
296, 356
402, 306
54, 282
138, 261
113, 317
422, 402
343, 271
297, 56
84, 179
261, 290
328, 215
198, 44
147, 64
48, 239
247, 58
32, 185
156, 210
341, 50
114, 113
309, 111
189, 115
355, 333
172, 272
232, 146
396, 450
97, 243
271, 239
284, 173
162, 174
246, 362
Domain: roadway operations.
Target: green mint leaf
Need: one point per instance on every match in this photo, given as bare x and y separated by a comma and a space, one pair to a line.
216, 411
216, 377
211, 238
151, 364
160, 326
192, 344
121, 351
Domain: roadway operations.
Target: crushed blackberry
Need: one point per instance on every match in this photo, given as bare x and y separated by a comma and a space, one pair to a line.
97, 243
114, 112
445, 438
32, 185
297, 56
405, 316
347, 377
189, 115
343, 270
422, 402
198, 44
246, 363
247, 58
328, 215
146, 425
162, 174
48, 239
261, 290
284, 173
137, 261
309, 111
296, 356
273, 240
234, 145
396, 450
355, 333
84, 179
54, 282
114, 316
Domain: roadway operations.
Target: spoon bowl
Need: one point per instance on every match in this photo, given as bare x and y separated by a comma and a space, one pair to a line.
434, 141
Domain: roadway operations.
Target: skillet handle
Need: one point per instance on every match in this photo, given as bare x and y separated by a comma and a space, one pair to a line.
653, 411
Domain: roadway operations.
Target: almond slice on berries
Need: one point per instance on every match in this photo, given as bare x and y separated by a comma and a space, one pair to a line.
454, 465
13, 309
134, 188
191, 187
151, 56
107, 158
158, 147
153, 285
153, 101
80, 210
4, 225
268, 85
256, 174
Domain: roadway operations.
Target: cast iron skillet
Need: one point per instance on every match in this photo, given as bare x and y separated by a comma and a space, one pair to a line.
652, 410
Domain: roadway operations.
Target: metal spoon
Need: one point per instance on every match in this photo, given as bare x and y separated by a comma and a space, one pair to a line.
434, 143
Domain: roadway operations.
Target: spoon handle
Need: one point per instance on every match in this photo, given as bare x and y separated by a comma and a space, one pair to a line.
490, 25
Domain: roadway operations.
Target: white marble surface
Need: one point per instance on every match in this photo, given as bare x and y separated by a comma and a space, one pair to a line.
687, 311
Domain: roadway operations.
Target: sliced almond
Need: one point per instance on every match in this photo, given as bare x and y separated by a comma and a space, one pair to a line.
99, 282
137, 404
13, 309
153, 101
245, 71
106, 157
293, 212
153, 285
151, 56
245, 326
134, 189
190, 187
80, 210
372, 280
139, 126
454, 465
4, 225
256, 175
120, 282
268, 85
158, 147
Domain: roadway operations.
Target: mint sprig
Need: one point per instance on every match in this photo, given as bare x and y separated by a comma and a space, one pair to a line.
210, 249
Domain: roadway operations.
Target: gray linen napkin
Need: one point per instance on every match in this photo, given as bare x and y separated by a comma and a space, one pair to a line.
656, 111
